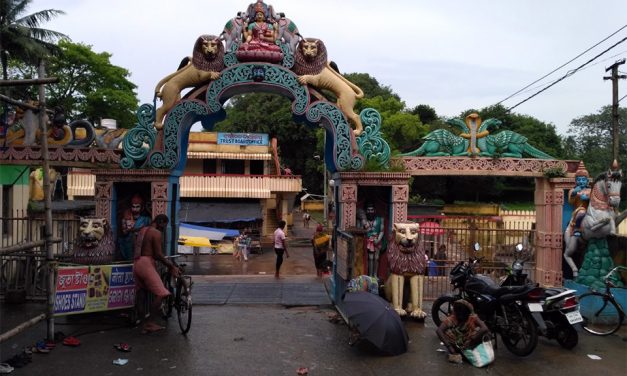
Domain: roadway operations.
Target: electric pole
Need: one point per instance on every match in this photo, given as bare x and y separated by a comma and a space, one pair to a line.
615, 129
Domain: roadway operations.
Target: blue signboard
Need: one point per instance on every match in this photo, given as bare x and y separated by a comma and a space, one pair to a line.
253, 139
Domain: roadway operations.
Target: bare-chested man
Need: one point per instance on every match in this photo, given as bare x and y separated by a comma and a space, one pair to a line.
148, 249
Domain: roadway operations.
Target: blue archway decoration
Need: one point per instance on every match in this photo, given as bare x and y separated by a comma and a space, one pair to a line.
342, 153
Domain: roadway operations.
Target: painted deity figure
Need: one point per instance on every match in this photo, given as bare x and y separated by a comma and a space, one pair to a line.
260, 35
579, 198
373, 225
133, 220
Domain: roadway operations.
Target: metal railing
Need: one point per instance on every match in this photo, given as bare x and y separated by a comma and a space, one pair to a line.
22, 272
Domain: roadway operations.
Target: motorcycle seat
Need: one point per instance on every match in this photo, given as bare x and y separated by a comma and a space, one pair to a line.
515, 292
484, 285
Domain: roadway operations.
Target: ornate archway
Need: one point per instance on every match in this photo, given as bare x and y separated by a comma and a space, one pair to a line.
144, 147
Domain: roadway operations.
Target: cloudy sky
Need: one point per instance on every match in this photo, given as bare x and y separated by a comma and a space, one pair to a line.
450, 54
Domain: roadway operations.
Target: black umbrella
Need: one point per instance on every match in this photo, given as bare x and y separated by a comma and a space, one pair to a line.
376, 321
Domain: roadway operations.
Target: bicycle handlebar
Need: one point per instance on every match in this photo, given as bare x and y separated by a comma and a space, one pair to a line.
607, 276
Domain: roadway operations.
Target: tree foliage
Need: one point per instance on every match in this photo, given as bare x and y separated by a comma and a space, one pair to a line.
590, 139
272, 114
90, 86
401, 128
21, 35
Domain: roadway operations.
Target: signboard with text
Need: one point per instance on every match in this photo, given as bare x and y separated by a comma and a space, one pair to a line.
94, 288
252, 139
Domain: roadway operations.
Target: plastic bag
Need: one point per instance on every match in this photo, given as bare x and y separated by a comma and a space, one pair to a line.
480, 356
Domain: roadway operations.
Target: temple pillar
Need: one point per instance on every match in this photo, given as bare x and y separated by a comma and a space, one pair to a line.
549, 202
348, 205
400, 196
104, 196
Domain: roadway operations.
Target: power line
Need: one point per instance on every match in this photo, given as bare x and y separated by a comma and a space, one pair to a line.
587, 67
624, 96
570, 73
563, 65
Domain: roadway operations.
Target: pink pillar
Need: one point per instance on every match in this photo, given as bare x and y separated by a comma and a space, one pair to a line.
348, 203
104, 196
400, 196
549, 202
159, 198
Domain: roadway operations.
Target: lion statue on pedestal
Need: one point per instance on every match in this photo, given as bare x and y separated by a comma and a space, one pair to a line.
406, 259
205, 65
95, 244
312, 68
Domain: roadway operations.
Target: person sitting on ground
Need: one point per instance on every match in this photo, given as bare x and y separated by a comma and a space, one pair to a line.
148, 249
463, 329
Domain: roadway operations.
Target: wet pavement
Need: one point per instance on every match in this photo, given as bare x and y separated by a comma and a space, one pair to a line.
252, 324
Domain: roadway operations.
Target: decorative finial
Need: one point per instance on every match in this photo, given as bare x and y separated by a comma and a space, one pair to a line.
581, 170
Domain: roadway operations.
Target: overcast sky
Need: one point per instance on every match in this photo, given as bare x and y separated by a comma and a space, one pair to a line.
452, 55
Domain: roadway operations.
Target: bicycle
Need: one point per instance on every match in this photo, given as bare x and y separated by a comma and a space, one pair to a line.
602, 314
180, 296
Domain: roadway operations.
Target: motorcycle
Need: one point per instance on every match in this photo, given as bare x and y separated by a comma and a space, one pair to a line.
504, 309
555, 311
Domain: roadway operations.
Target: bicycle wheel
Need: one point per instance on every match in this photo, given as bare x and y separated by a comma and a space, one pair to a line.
168, 302
183, 303
601, 315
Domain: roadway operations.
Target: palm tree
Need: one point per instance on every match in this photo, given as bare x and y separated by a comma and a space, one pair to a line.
21, 36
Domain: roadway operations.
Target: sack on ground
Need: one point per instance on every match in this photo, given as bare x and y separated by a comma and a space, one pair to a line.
480, 356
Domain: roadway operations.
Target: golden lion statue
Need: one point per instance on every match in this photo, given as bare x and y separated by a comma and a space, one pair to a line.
406, 259
95, 244
313, 69
205, 65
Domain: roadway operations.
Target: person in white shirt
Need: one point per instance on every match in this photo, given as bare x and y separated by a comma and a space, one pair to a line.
280, 247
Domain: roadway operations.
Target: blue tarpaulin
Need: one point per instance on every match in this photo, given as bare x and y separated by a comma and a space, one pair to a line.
219, 212
211, 233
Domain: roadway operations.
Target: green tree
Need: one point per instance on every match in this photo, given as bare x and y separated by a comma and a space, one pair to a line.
426, 113
90, 87
590, 140
401, 128
370, 86
272, 114
21, 36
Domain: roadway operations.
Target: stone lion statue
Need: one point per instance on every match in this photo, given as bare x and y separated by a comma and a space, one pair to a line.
95, 244
312, 68
204, 65
406, 259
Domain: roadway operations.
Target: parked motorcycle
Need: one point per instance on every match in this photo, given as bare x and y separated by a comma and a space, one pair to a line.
504, 309
556, 309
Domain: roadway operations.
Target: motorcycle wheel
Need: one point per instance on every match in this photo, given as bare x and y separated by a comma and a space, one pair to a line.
567, 337
521, 335
442, 308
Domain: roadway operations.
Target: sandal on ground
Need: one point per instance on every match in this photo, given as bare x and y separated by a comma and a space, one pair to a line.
40, 347
6, 368
152, 328
124, 347
71, 341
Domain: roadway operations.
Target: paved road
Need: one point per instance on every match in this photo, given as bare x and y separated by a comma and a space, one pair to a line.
264, 339
253, 324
